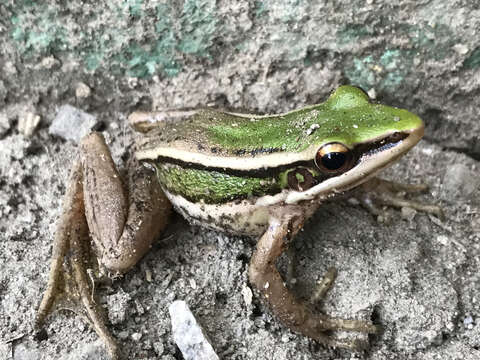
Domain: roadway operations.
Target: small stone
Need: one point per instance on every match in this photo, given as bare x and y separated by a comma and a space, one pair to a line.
4, 124
468, 321
117, 307
460, 49
122, 335
442, 239
72, 123
9, 68
188, 334
158, 348
192, 283
148, 275
139, 307
247, 294
372, 94
81, 325
27, 123
408, 213
136, 336
49, 62
82, 91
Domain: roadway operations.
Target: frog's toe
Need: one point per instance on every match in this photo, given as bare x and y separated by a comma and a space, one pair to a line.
324, 285
383, 192
317, 325
321, 322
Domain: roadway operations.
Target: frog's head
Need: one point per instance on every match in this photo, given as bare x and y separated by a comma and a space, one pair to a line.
351, 141
304, 154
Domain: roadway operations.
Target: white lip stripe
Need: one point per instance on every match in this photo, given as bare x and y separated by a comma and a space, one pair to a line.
239, 163
367, 168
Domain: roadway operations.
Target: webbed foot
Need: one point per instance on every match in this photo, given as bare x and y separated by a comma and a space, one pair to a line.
296, 314
378, 191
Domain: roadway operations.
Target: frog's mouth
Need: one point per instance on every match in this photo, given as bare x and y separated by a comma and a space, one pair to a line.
375, 156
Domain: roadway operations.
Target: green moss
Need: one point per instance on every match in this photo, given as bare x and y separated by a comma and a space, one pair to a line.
260, 8
192, 33
40, 33
199, 25
213, 187
388, 71
353, 33
433, 41
112, 43
134, 7
473, 61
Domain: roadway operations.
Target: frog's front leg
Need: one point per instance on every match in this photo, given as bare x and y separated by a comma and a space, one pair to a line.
377, 191
294, 313
123, 224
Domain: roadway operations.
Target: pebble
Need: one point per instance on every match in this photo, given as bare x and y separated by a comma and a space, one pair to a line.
122, 335
158, 348
468, 321
247, 295
4, 124
136, 336
27, 123
139, 307
460, 49
118, 305
82, 91
72, 123
408, 213
189, 336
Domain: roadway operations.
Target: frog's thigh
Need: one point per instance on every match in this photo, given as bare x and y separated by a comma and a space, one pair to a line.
293, 312
123, 228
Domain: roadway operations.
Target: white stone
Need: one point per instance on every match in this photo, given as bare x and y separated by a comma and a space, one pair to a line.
72, 123
82, 91
188, 334
27, 123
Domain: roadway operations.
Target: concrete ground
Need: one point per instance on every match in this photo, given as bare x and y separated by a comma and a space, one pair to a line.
416, 276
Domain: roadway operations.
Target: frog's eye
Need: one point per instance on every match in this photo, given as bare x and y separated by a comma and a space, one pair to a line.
334, 158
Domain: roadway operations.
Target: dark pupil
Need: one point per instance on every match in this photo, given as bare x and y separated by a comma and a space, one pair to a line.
334, 160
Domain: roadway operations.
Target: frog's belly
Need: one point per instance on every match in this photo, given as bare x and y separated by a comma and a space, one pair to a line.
239, 217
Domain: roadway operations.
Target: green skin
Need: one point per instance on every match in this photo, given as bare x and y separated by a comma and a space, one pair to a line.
346, 117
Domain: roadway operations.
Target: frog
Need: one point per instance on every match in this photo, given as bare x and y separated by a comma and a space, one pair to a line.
262, 176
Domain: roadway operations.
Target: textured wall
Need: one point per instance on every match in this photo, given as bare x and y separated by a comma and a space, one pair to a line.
263, 55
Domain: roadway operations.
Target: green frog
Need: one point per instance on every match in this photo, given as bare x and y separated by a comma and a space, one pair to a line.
257, 175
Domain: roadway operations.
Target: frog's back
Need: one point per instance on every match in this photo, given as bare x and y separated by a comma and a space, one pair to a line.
215, 133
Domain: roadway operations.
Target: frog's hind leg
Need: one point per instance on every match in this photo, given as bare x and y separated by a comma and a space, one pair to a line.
122, 226
294, 313
70, 286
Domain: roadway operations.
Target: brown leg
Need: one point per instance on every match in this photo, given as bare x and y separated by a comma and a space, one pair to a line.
292, 312
95, 203
122, 234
